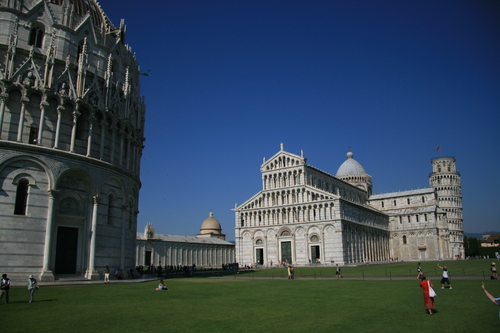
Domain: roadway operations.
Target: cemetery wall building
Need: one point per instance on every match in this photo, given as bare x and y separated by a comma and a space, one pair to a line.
207, 249
304, 215
71, 139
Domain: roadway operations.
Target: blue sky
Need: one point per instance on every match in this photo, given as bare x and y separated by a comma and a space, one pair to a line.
392, 80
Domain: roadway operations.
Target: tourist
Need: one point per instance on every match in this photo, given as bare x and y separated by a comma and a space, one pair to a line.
419, 270
32, 286
494, 273
162, 286
338, 271
490, 296
289, 269
446, 277
4, 288
292, 272
106, 274
428, 300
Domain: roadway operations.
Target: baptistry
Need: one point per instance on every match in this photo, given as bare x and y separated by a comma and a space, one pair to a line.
71, 140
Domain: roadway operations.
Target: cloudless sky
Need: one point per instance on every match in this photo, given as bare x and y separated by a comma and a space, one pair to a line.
391, 80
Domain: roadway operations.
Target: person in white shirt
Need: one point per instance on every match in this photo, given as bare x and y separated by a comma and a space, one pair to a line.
446, 276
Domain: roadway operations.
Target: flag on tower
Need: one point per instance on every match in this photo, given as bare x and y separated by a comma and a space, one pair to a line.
439, 148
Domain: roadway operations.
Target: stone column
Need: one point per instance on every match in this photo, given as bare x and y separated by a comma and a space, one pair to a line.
122, 243
104, 125
128, 138
58, 126
3, 99
113, 139
89, 138
47, 275
76, 114
92, 274
43, 108
20, 127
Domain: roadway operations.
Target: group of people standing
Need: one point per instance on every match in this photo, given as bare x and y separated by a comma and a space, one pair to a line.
5, 287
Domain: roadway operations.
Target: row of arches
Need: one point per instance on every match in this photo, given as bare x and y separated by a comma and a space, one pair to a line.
75, 128
282, 179
289, 197
297, 214
283, 161
445, 180
448, 191
449, 202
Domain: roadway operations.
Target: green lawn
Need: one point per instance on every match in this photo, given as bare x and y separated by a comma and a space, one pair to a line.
253, 305
460, 268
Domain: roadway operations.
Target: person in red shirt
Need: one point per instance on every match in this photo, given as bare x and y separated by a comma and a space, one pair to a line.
428, 301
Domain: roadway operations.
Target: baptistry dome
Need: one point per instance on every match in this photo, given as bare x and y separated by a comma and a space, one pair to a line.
350, 167
82, 7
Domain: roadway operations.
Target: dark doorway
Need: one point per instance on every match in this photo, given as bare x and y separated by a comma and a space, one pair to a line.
259, 254
315, 253
66, 250
147, 259
286, 252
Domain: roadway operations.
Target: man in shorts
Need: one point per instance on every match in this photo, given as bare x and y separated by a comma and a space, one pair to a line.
446, 277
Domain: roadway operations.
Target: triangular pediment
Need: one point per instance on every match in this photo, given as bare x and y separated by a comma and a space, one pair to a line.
283, 159
262, 200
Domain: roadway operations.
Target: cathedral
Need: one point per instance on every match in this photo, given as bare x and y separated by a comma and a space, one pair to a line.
304, 215
71, 140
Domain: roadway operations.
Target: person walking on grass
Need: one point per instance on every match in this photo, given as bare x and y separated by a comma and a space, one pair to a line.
32, 286
446, 277
426, 285
419, 270
5, 287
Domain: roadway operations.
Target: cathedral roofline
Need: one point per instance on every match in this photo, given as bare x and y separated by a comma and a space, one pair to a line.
183, 239
401, 193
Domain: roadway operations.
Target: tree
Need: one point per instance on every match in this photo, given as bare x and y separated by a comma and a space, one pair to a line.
472, 246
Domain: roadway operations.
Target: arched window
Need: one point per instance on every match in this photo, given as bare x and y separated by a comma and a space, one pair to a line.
404, 239
21, 197
258, 242
314, 238
36, 36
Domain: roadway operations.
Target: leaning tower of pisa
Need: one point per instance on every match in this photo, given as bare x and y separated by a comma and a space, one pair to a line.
446, 180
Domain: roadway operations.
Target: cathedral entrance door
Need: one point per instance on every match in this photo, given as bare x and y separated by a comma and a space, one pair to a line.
286, 252
66, 250
259, 255
315, 253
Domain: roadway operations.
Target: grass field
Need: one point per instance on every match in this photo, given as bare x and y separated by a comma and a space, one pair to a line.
253, 305
461, 268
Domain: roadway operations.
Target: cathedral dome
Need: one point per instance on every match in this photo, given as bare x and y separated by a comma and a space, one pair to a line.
82, 7
350, 167
210, 226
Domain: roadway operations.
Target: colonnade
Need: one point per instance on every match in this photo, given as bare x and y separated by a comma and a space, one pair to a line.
362, 244
185, 254
123, 149
296, 214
